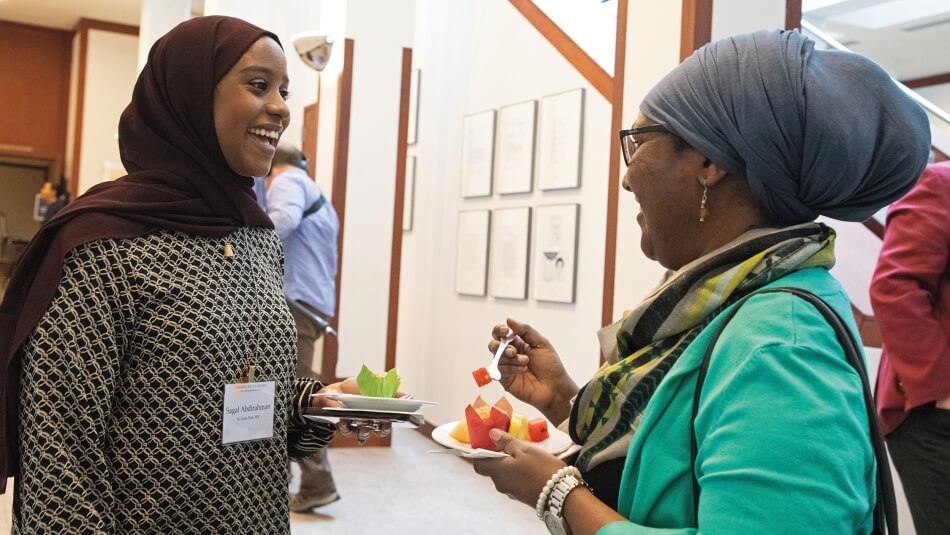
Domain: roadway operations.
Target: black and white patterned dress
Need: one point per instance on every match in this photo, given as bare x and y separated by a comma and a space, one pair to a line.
122, 388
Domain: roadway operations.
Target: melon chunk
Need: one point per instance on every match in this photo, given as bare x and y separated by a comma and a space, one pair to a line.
519, 426
479, 426
460, 432
538, 430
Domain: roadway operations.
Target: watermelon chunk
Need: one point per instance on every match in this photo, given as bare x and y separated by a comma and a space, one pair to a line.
538, 430
478, 427
481, 377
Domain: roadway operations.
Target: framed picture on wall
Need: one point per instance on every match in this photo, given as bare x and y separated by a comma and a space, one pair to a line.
510, 229
413, 105
409, 193
471, 258
555, 252
514, 165
478, 143
560, 134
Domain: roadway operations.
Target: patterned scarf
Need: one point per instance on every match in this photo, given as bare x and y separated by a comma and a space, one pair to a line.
643, 346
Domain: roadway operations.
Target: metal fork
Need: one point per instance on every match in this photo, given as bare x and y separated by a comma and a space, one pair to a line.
493, 370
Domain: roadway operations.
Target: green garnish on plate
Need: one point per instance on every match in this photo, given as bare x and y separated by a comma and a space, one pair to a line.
377, 384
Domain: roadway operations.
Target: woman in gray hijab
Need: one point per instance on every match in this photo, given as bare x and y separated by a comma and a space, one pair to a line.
728, 402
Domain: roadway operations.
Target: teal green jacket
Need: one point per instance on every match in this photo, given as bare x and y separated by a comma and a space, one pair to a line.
782, 432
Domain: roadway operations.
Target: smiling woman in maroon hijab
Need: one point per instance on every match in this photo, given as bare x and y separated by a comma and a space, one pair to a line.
140, 313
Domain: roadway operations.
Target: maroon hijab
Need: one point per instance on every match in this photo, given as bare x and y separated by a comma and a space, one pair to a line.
178, 180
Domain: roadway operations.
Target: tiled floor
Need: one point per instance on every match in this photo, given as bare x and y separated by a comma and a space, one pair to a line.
403, 490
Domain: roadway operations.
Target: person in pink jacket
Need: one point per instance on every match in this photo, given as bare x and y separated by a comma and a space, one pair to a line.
910, 294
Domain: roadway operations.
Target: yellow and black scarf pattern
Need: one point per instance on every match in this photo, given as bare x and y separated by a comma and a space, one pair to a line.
650, 338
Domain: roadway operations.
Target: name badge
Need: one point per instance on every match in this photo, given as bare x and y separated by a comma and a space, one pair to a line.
248, 412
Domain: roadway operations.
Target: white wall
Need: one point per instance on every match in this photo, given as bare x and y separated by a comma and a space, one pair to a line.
939, 95
156, 18
332, 22
380, 31
731, 17
111, 69
476, 56
592, 24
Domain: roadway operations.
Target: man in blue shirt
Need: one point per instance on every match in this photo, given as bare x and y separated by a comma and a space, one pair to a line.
308, 226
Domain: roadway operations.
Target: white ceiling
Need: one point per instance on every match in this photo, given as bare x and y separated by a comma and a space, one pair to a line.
64, 14
909, 38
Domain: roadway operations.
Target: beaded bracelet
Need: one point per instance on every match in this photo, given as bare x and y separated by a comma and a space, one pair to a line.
549, 486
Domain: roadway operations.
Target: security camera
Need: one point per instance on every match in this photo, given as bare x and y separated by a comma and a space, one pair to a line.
313, 48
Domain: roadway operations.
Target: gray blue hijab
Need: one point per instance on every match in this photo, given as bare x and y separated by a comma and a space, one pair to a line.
815, 132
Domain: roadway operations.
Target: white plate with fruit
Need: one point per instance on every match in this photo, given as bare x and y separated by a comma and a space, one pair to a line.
535, 431
557, 442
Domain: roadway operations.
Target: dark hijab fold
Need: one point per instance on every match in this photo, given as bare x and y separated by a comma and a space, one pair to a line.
815, 132
178, 180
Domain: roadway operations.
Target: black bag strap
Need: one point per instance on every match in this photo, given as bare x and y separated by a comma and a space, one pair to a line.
885, 509
315, 207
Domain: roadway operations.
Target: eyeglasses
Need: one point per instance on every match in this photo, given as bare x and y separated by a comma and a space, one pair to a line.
629, 145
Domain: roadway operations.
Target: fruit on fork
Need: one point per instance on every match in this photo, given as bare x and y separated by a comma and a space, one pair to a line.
481, 377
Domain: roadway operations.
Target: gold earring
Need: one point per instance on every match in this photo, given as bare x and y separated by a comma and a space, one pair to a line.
702, 204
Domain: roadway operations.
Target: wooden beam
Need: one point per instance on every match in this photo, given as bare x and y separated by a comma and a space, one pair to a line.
614, 170
926, 81
311, 127
77, 122
875, 227
341, 152
572, 52
696, 26
395, 262
793, 14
